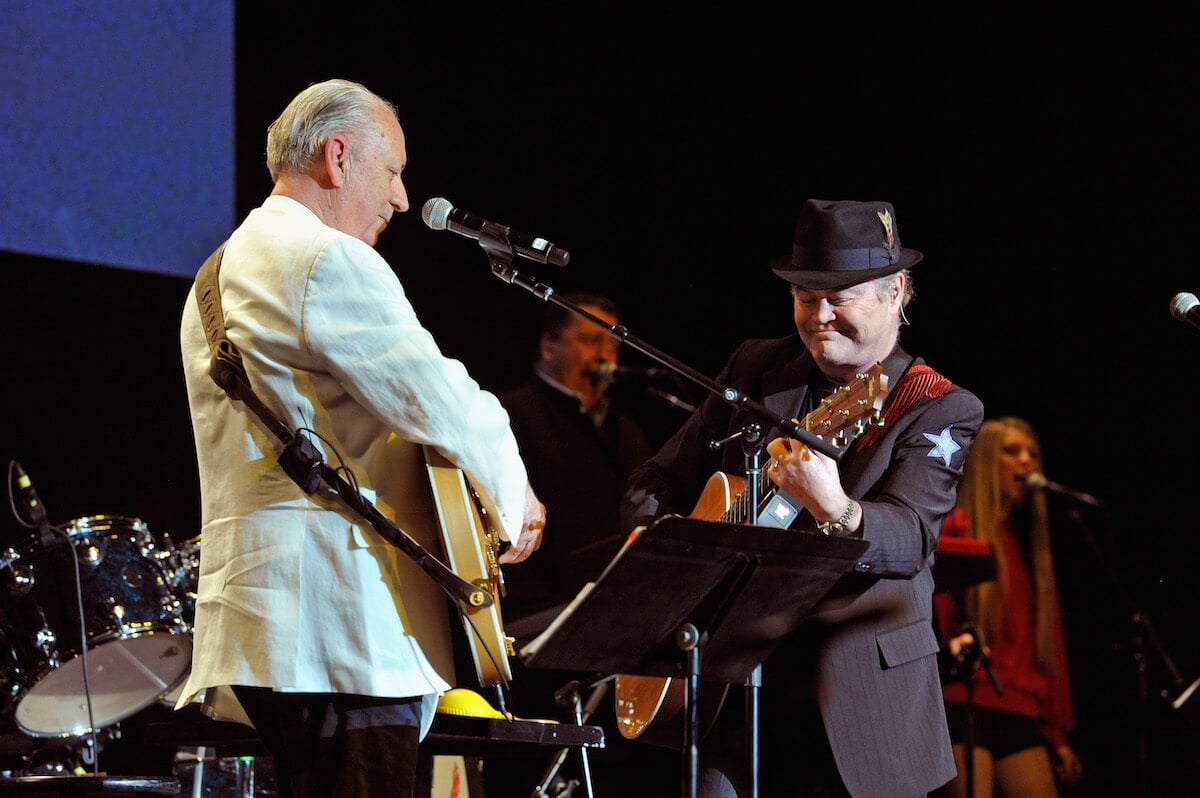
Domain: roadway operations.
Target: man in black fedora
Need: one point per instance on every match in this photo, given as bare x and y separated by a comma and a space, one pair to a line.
850, 703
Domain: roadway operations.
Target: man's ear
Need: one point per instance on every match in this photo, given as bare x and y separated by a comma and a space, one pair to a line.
337, 160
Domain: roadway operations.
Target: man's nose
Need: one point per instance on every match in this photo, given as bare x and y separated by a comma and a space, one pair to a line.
824, 310
399, 200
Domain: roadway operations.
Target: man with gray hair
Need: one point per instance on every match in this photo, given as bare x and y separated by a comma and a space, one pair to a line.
310, 625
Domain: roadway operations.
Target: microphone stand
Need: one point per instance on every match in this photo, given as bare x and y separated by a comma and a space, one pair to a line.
1142, 640
501, 258
982, 659
751, 436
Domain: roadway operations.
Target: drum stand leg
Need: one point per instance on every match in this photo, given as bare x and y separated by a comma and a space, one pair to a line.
198, 773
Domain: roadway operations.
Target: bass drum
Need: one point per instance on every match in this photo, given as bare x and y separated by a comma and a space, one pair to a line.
90, 657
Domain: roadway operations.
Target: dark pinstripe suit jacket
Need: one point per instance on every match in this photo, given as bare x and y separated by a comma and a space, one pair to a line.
875, 671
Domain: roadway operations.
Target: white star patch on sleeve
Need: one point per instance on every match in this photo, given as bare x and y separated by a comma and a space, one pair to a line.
943, 445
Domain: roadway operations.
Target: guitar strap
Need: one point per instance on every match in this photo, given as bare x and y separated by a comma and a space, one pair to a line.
917, 382
300, 459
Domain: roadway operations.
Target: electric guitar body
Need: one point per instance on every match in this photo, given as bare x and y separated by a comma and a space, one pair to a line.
471, 547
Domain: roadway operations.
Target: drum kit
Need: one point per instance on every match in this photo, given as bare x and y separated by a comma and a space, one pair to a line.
95, 626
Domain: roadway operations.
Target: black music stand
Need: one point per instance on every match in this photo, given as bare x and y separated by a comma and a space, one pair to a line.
960, 563
684, 591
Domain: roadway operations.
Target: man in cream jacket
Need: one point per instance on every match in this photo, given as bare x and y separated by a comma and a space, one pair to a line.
334, 641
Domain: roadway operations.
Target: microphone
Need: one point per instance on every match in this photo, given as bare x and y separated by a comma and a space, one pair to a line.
1186, 307
1038, 481
439, 214
33, 504
611, 372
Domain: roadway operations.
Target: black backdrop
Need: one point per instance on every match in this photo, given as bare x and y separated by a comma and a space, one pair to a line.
1046, 175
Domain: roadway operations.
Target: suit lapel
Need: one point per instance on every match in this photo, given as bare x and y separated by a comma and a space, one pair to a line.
786, 388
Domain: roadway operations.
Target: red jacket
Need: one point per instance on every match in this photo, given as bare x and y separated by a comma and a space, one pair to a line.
1027, 689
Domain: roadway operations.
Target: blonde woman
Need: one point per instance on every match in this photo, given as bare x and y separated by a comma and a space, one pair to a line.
1020, 732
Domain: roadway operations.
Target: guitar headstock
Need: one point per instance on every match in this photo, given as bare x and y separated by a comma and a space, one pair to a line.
844, 415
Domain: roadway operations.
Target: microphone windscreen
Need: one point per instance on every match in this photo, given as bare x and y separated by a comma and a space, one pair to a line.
436, 213
1182, 303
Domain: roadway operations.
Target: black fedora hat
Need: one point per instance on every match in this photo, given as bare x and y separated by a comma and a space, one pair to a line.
843, 243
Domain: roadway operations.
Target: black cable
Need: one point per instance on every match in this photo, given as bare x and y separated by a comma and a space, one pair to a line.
83, 641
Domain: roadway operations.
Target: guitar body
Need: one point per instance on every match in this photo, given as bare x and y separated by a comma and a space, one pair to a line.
471, 547
643, 700
718, 496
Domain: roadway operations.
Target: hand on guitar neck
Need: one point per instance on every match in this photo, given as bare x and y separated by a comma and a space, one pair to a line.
812, 480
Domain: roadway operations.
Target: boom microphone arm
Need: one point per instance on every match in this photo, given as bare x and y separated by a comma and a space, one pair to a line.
503, 268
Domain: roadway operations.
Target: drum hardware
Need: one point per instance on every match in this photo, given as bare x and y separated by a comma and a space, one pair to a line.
47, 643
96, 630
19, 580
69, 758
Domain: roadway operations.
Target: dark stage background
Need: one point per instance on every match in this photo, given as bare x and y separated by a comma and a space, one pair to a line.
1047, 176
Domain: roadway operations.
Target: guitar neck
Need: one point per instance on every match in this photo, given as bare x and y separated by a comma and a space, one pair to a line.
840, 418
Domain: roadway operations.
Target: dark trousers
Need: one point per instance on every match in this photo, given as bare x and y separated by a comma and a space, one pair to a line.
339, 746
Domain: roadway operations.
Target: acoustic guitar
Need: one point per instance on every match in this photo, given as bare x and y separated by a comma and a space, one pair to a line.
840, 418
471, 546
